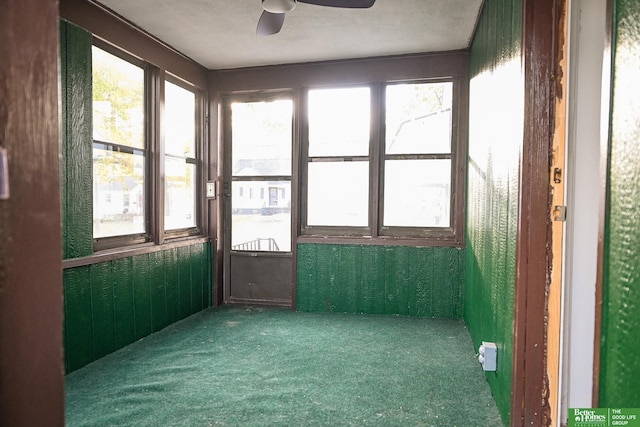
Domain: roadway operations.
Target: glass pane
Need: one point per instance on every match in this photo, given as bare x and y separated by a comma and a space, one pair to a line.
418, 118
339, 122
261, 216
180, 194
338, 194
179, 121
261, 133
417, 193
118, 100
118, 193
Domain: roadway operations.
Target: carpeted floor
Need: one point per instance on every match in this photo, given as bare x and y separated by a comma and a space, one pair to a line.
272, 367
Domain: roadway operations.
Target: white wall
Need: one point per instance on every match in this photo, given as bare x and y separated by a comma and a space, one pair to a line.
587, 32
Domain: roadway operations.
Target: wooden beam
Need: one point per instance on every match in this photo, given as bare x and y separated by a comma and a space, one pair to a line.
31, 309
530, 385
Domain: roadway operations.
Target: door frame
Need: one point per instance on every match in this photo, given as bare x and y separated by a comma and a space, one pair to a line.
540, 60
581, 257
226, 187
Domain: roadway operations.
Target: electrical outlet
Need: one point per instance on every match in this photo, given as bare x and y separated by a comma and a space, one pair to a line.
488, 356
211, 190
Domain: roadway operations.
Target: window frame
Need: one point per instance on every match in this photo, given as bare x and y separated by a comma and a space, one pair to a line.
110, 242
154, 185
326, 230
376, 232
199, 118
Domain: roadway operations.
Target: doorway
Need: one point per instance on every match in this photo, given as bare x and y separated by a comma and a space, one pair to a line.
258, 261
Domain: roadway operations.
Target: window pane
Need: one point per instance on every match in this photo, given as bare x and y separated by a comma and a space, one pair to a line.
417, 193
418, 118
180, 194
118, 100
338, 194
339, 122
261, 224
179, 121
118, 193
262, 133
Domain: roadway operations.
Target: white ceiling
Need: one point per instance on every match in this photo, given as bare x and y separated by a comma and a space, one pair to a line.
220, 34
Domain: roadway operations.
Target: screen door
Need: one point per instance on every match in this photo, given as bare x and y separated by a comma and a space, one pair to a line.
257, 190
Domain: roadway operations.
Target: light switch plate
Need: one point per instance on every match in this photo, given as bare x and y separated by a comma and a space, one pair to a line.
211, 190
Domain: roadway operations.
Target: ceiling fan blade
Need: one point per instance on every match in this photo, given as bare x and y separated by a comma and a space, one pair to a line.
269, 23
349, 4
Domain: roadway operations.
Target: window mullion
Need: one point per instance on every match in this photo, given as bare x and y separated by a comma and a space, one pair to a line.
156, 149
201, 161
376, 158
304, 162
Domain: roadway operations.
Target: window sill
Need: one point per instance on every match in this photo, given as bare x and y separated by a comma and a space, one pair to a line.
383, 241
128, 251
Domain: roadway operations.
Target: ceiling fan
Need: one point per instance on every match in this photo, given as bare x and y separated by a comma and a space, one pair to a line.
272, 16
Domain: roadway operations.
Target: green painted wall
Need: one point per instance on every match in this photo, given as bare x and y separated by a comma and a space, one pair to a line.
495, 142
620, 363
111, 304
76, 163
108, 305
380, 280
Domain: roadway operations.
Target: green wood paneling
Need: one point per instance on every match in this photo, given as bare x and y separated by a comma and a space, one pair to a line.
78, 333
373, 281
141, 296
379, 280
173, 282
197, 277
159, 317
123, 299
111, 304
102, 309
620, 364
76, 164
183, 269
495, 141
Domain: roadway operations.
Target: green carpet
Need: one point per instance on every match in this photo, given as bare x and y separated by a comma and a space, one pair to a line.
272, 367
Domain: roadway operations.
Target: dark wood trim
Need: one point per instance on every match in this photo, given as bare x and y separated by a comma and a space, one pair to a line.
202, 130
529, 383
340, 73
156, 140
154, 89
260, 302
215, 174
607, 87
295, 194
145, 248
112, 28
380, 241
31, 308
460, 148
376, 159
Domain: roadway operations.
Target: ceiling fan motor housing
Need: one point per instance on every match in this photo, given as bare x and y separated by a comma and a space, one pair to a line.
278, 6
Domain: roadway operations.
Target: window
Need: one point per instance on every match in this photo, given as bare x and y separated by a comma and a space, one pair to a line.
127, 128
119, 149
338, 158
379, 162
180, 158
417, 156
